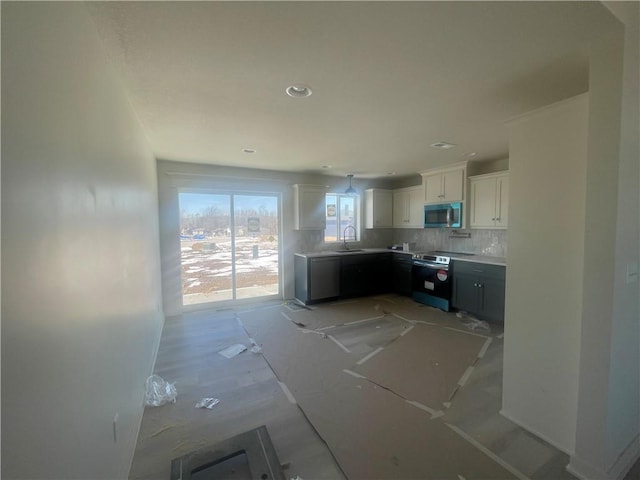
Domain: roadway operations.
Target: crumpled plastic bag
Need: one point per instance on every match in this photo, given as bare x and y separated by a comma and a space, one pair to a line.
255, 348
158, 392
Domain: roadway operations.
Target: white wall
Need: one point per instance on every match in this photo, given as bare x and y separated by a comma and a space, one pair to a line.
547, 175
599, 262
81, 310
607, 440
604, 420
624, 386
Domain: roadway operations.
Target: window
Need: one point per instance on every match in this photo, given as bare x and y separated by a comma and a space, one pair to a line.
342, 212
230, 246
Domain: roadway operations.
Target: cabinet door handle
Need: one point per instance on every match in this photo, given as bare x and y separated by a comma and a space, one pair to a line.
494, 219
498, 219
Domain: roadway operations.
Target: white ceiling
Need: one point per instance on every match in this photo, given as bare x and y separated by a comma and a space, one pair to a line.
208, 79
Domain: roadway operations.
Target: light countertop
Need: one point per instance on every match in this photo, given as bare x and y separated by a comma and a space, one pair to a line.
338, 252
480, 259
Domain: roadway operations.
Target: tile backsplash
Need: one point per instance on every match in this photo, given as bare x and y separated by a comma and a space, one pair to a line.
313, 241
481, 242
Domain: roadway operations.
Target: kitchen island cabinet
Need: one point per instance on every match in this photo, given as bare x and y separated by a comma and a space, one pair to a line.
479, 289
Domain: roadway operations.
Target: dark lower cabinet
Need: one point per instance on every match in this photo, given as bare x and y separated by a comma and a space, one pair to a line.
341, 276
465, 292
316, 278
479, 289
401, 274
366, 274
353, 280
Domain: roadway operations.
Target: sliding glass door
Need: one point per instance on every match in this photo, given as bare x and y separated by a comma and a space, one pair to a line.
229, 246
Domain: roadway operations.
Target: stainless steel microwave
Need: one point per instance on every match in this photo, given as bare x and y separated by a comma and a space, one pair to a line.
445, 215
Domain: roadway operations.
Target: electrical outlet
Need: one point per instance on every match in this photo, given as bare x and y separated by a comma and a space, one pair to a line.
115, 428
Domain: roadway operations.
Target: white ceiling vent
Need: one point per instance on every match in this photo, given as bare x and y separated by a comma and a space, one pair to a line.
443, 145
298, 91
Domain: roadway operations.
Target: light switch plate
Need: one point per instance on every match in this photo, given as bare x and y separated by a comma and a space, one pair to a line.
632, 272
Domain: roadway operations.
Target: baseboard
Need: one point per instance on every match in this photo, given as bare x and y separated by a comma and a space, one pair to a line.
584, 471
138, 425
551, 442
626, 459
617, 471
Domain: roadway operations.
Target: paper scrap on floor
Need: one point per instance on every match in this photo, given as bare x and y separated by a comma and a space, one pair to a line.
232, 350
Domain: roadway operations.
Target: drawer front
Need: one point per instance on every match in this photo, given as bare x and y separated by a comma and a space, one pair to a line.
480, 269
402, 258
358, 259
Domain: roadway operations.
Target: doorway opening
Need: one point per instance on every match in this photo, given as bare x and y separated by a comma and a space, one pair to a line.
229, 246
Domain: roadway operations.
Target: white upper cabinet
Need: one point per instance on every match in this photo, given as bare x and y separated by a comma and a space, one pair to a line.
489, 200
378, 208
446, 185
408, 207
309, 207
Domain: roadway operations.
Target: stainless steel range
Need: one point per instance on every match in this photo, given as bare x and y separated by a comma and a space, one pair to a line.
431, 279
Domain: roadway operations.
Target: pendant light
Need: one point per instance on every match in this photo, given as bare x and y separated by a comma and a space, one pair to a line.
350, 190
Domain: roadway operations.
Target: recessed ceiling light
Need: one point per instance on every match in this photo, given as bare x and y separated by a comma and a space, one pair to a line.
298, 91
391, 173
326, 166
248, 150
471, 154
442, 145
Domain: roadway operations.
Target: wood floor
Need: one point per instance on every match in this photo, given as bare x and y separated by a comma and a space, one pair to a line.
343, 389
249, 394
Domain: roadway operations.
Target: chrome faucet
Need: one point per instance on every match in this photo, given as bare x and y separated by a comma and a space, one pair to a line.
344, 235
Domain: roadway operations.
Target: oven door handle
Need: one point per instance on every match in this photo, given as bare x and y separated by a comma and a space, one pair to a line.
432, 265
